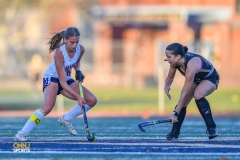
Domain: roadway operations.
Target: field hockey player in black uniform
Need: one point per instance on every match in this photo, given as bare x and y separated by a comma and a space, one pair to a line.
201, 79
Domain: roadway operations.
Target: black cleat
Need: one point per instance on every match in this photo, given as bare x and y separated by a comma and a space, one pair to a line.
212, 133
172, 136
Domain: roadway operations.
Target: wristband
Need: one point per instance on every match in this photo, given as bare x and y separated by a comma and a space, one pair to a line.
175, 113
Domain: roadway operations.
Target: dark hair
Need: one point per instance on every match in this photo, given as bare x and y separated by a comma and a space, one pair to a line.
55, 41
177, 49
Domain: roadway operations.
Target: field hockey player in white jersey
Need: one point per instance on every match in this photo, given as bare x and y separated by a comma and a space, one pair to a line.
57, 80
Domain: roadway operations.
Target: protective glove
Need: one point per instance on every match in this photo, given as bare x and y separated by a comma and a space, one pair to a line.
79, 76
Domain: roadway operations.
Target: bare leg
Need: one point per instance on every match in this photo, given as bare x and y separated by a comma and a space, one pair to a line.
90, 99
204, 89
50, 93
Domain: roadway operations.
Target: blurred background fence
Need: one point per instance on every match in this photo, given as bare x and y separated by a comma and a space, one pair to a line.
125, 42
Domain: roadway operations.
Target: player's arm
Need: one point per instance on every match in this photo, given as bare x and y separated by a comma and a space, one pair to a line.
79, 74
192, 69
169, 80
59, 61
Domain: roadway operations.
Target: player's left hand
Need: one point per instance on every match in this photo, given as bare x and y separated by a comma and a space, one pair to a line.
79, 76
173, 118
167, 89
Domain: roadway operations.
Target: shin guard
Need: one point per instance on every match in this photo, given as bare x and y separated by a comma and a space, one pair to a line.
33, 121
204, 109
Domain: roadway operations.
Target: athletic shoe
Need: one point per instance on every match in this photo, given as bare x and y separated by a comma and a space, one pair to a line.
68, 125
212, 133
20, 136
172, 136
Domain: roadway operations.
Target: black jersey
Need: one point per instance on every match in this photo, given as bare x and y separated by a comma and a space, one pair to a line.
205, 70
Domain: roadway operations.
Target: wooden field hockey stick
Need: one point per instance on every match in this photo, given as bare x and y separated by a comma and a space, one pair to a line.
90, 137
148, 123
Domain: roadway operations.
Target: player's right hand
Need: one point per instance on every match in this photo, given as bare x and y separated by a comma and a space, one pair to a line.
167, 89
81, 101
173, 118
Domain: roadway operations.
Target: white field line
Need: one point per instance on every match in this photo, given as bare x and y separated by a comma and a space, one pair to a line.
158, 140
171, 145
132, 153
193, 142
195, 139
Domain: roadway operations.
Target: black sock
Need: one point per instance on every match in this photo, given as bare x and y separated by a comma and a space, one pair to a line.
177, 126
205, 110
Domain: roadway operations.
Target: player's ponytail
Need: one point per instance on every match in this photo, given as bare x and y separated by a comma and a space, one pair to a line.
185, 49
55, 40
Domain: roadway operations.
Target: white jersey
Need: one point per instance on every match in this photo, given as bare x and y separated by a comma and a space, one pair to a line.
69, 63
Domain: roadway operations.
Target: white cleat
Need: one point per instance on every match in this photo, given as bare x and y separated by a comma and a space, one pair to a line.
68, 125
21, 137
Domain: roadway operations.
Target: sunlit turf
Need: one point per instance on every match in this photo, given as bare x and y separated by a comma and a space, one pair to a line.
223, 101
49, 140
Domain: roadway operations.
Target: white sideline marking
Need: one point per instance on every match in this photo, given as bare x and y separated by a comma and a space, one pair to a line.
173, 145
83, 138
132, 153
142, 138
193, 142
153, 144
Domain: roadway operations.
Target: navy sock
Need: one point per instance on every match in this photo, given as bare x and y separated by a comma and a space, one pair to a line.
205, 110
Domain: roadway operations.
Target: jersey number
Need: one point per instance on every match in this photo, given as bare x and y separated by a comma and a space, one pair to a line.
68, 71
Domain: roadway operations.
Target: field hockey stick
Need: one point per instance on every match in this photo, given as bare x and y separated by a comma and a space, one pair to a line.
148, 123
90, 137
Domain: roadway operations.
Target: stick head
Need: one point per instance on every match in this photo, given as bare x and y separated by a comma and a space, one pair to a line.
91, 137
146, 123
140, 126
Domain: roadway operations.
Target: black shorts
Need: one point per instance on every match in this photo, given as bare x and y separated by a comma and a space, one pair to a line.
214, 78
47, 81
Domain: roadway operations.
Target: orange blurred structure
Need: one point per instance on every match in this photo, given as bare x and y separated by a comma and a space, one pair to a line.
129, 35
124, 40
